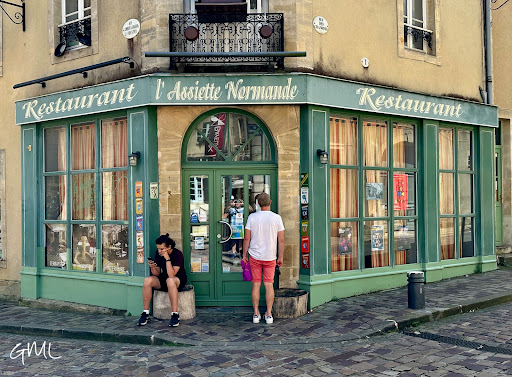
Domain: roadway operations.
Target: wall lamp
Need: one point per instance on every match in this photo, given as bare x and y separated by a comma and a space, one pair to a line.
133, 158
323, 155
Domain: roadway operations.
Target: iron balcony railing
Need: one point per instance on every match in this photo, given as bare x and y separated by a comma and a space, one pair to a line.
220, 38
418, 33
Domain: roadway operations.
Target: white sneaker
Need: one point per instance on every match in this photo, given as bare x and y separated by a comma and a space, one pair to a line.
256, 318
269, 319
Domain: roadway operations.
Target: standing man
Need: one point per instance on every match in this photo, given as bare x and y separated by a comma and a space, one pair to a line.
167, 274
264, 240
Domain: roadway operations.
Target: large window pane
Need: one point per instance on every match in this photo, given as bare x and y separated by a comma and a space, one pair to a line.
375, 143
344, 241
446, 206
465, 194
115, 248
55, 197
465, 144
343, 141
343, 193
55, 245
84, 196
115, 195
258, 148
447, 238
467, 241
84, 247
376, 193
114, 148
405, 242
199, 231
376, 249
199, 149
445, 149
404, 194
83, 146
404, 149
54, 149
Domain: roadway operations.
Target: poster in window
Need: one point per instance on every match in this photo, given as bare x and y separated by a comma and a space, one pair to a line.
238, 231
304, 212
345, 240
195, 264
138, 206
377, 237
140, 239
138, 189
140, 255
374, 191
403, 238
153, 190
139, 223
199, 243
304, 245
304, 195
400, 192
305, 261
215, 134
304, 228
205, 267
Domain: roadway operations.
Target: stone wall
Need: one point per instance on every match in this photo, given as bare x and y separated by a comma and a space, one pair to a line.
283, 124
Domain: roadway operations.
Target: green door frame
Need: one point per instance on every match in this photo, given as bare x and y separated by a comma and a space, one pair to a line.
215, 288
498, 195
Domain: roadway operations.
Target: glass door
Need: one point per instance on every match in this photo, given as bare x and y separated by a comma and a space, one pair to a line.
216, 212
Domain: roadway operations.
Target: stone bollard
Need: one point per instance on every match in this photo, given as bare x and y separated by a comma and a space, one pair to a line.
416, 289
186, 304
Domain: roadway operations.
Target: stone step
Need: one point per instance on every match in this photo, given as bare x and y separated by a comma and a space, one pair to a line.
503, 250
505, 260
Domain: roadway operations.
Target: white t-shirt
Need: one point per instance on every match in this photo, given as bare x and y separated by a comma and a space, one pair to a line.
264, 226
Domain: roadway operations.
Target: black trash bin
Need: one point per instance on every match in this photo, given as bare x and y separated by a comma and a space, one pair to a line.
416, 289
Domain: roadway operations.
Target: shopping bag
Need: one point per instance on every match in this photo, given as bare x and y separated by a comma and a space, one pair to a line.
246, 271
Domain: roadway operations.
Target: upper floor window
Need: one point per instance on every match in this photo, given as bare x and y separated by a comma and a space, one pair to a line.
418, 33
223, 6
75, 29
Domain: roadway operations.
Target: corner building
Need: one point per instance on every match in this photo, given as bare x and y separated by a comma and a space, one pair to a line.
375, 146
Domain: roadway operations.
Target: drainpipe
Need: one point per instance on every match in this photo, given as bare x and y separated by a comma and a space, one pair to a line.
488, 51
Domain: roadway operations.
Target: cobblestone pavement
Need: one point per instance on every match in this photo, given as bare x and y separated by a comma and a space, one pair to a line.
344, 319
491, 327
392, 354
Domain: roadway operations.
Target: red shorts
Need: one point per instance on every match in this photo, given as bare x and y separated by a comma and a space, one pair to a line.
262, 267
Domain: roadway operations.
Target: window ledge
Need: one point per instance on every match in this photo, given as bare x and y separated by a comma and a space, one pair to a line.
418, 55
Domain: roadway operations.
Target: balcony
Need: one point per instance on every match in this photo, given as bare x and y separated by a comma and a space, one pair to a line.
226, 38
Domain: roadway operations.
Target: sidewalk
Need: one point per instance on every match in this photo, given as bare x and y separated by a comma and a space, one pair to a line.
345, 319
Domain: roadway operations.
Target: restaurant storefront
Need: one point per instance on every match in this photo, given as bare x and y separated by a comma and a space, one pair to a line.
371, 182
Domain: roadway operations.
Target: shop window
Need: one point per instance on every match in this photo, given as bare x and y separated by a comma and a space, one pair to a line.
3, 250
223, 6
386, 174
96, 228
456, 193
228, 137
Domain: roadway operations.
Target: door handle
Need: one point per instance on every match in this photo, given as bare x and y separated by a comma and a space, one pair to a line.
230, 231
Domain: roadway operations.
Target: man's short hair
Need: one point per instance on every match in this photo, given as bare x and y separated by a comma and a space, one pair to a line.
264, 199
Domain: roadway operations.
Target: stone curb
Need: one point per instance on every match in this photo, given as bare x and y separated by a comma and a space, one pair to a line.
155, 339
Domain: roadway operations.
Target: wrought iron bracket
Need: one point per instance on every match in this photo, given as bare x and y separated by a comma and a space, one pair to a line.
19, 17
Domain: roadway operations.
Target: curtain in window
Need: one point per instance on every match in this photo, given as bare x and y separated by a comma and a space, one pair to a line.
114, 152
83, 149
375, 155
446, 194
343, 151
61, 158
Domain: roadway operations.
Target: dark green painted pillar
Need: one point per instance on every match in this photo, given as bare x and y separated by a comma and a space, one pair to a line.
428, 197
485, 222
29, 150
317, 138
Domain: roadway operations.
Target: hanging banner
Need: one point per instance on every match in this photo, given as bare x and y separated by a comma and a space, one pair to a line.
215, 134
400, 192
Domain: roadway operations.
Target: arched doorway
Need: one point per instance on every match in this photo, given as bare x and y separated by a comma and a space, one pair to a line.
228, 157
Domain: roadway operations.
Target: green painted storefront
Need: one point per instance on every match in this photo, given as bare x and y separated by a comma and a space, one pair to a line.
433, 223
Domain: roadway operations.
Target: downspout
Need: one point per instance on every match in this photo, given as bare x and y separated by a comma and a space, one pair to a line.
488, 52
